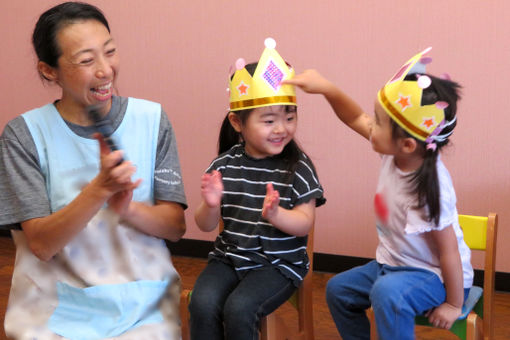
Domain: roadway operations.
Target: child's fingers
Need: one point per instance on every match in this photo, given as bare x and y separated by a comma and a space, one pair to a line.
297, 80
205, 180
292, 81
211, 180
216, 175
272, 197
269, 189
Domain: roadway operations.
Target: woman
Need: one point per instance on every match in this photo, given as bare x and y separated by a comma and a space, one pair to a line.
90, 259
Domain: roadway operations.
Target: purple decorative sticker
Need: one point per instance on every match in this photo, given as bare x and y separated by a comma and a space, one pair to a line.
273, 75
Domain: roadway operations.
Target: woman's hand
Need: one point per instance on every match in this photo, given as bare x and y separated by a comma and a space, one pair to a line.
120, 201
113, 177
212, 189
271, 202
444, 315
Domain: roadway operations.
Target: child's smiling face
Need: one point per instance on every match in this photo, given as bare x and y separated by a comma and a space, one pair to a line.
267, 130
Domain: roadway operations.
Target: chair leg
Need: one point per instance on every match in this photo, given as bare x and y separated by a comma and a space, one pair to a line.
474, 327
373, 326
305, 311
184, 314
272, 327
265, 329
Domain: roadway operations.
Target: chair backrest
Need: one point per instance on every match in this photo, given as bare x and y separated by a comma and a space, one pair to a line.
480, 233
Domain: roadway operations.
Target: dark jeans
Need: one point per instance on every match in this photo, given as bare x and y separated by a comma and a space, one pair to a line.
225, 307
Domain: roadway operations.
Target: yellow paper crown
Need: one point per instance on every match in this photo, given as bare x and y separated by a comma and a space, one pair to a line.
264, 88
402, 100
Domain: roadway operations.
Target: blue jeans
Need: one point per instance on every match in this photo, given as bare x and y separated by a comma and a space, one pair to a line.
396, 294
225, 306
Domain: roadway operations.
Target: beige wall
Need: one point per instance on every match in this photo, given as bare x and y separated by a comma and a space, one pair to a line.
179, 52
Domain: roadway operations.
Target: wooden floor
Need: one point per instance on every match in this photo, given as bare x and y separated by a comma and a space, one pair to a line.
189, 268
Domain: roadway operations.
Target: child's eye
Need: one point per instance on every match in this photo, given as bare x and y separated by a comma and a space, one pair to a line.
290, 119
111, 51
269, 121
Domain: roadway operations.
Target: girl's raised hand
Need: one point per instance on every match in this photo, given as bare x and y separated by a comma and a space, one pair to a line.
310, 81
271, 202
212, 189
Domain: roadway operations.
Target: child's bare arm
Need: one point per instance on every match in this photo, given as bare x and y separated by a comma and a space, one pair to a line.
451, 268
345, 107
297, 221
207, 215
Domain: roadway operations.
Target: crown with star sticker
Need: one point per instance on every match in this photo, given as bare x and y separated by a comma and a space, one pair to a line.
402, 99
264, 88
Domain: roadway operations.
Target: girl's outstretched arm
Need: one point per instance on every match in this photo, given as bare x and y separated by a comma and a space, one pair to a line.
207, 215
445, 314
297, 221
345, 107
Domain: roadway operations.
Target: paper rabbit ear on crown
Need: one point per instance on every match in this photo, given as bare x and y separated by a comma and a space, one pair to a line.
264, 88
402, 100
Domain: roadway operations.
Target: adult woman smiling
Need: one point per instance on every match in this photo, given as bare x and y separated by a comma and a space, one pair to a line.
90, 262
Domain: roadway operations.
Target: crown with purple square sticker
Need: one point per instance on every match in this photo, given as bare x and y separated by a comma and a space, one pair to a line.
402, 99
264, 88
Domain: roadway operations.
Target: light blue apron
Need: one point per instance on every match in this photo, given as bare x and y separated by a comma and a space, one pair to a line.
110, 281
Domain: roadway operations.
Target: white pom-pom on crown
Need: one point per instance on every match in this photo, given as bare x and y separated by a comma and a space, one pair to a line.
270, 43
424, 81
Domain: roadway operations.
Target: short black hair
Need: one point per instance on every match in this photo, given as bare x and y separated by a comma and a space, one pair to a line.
44, 38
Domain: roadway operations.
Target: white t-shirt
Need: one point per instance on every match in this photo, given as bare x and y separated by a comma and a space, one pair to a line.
404, 238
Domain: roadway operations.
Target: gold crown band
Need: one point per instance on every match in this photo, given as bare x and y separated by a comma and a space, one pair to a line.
262, 101
399, 116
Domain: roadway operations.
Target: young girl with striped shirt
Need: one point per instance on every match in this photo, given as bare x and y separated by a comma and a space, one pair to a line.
264, 189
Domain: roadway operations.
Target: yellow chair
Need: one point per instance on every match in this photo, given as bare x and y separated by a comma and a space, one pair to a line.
271, 326
480, 233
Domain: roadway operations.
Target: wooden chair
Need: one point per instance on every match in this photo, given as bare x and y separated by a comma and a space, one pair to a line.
480, 233
272, 326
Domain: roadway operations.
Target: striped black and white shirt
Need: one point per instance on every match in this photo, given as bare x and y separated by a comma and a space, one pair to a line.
248, 241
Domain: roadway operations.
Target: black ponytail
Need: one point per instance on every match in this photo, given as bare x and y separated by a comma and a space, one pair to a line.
426, 186
425, 181
228, 136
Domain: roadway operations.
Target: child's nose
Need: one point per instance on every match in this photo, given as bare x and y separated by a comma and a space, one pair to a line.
278, 127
